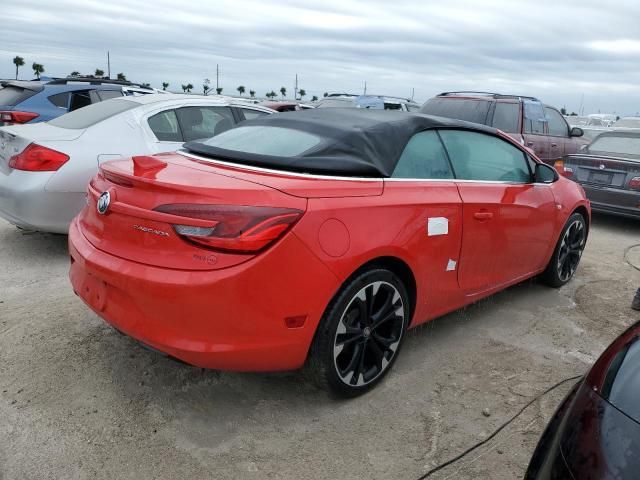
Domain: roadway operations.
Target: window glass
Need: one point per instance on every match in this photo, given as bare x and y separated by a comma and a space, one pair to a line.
250, 114
80, 100
534, 118
107, 94
557, 126
477, 156
87, 116
618, 144
506, 117
459, 108
164, 126
11, 96
622, 384
423, 157
60, 100
204, 122
265, 140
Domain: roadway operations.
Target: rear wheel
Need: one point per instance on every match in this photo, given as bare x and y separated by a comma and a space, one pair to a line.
566, 256
360, 334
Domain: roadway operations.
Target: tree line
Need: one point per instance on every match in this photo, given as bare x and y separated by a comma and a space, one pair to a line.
38, 69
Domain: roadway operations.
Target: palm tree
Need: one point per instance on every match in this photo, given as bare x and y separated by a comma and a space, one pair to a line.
314, 99
18, 62
74, 74
302, 92
99, 73
240, 89
273, 94
189, 87
252, 93
165, 85
219, 90
325, 94
205, 88
283, 91
38, 68
184, 88
122, 77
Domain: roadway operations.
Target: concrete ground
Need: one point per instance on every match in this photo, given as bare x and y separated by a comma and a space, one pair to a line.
79, 401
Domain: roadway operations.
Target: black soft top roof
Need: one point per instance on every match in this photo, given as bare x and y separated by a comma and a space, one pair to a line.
355, 142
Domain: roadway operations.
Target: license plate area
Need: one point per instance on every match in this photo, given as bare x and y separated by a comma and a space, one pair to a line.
600, 178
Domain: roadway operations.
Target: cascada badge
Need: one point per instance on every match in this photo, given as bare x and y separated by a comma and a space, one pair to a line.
103, 202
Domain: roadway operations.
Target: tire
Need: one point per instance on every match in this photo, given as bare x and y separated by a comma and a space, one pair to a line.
566, 256
360, 334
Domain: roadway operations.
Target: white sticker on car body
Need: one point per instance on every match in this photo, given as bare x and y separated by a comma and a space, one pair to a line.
437, 226
451, 265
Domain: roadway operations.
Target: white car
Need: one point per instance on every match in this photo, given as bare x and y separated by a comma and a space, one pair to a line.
45, 167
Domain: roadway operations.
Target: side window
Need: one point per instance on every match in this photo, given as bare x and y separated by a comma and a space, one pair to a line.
204, 122
79, 99
534, 118
164, 126
60, 100
477, 156
557, 125
506, 117
107, 94
251, 114
423, 157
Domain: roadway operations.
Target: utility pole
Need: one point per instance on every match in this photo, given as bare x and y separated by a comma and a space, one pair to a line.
365, 87
217, 78
413, 91
295, 89
108, 65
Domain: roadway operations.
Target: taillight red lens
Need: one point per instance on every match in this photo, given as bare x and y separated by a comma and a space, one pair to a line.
17, 117
235, 228
36, 158
634, 183
562, 169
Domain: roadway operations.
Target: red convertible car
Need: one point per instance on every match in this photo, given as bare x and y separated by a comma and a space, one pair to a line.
318, 238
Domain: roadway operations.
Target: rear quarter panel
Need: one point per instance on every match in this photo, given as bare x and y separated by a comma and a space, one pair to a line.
393, 224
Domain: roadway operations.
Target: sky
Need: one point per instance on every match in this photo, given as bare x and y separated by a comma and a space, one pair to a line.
574, 54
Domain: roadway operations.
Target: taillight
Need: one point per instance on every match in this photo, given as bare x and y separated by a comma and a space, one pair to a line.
17, 117
634, 183
563, 169
36, 158
235, 228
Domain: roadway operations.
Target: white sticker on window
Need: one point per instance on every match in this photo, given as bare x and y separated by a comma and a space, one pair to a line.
451, 265
437, 226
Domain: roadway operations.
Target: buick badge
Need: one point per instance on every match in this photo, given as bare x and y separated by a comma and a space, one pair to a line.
103, 203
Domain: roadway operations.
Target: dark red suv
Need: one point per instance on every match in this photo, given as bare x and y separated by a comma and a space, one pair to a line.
540, 127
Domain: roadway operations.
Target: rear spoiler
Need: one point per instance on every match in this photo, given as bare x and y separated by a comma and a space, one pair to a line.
33, 86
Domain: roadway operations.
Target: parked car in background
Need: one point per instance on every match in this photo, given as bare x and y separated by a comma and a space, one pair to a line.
346, 227
39, 101
628, 122
595, 433
285, 106
376, 102
45, 167
526, 119
609, 171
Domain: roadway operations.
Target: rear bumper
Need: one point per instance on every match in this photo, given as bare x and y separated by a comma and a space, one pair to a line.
612, 200
25, 202
228, 319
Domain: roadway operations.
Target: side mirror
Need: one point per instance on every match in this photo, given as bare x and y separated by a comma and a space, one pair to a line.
576, 132
545, 174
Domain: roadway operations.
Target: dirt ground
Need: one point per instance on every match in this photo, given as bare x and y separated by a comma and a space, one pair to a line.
80, 401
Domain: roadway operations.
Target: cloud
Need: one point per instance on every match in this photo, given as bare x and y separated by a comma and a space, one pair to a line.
558, 51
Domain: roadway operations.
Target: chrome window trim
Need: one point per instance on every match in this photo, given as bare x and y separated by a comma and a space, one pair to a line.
357, 179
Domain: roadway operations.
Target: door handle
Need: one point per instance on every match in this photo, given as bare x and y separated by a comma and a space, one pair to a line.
483, 215
554, 144
530, 144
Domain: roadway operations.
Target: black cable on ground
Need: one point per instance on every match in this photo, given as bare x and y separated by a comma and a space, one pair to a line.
626, 255
498, 430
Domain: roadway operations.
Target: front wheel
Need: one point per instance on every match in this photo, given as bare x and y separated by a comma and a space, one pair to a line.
359, 336
566, 256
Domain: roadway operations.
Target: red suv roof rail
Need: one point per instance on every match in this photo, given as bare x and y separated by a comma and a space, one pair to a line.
484, 94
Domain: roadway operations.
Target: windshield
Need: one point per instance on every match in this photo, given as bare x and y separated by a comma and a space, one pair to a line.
264, 140
622, 384
618, 144
92, 114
